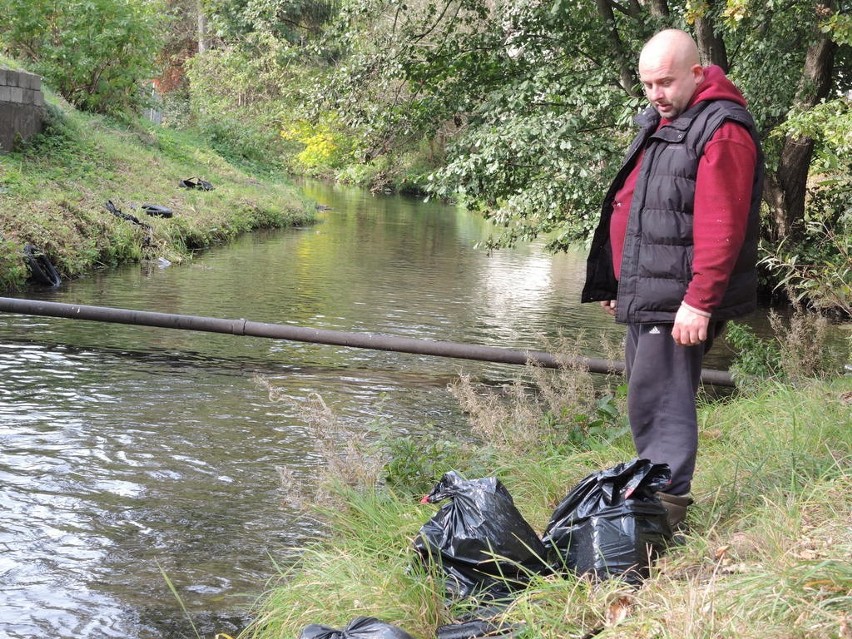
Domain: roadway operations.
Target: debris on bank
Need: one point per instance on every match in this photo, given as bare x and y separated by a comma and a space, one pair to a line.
611, 524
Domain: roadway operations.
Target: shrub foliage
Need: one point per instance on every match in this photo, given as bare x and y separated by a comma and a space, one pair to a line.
98, 54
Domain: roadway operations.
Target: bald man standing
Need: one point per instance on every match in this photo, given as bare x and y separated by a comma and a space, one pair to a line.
674, 254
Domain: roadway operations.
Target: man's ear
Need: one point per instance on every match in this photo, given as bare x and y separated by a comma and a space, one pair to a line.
697, 73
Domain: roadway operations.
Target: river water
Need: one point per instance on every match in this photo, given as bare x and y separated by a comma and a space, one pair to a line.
137, 460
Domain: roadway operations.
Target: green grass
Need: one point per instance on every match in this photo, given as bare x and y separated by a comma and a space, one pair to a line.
53, 191
767, 555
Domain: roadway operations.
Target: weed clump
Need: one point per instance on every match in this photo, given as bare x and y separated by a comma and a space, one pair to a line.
348, 461
801, 350
547, 410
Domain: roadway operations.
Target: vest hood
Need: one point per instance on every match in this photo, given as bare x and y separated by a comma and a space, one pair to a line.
716, 86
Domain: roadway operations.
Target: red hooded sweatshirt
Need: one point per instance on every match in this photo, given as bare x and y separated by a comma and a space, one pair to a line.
722, 199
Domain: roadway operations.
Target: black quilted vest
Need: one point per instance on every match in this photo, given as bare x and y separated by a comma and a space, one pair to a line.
657, 260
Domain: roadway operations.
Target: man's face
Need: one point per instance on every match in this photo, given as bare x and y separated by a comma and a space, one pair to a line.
669, 84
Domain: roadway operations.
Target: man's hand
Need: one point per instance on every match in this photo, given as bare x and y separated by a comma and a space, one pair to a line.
609, 306
690, 328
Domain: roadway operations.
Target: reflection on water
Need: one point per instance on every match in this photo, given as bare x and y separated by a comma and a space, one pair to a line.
129, 452
103, 459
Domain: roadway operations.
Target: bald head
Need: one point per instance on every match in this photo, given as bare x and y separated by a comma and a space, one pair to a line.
673, 44
670, 71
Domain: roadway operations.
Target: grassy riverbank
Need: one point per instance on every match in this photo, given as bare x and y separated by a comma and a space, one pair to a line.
767, 555
53, 193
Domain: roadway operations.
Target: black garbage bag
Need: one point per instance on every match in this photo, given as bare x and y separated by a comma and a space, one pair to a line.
42, 270
157, 210
478, 629
485, 621
112, 208
611, 523
196, 183
479, 539
358, 628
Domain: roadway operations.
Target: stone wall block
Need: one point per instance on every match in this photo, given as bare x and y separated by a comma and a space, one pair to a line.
33, 81
21, 106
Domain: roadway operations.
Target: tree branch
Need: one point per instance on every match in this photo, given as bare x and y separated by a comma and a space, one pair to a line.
625, 72
633, 8
420, 36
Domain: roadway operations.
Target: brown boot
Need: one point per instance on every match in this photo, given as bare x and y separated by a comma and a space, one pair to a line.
675, 506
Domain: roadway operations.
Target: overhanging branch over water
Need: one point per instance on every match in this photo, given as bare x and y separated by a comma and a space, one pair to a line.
373, 341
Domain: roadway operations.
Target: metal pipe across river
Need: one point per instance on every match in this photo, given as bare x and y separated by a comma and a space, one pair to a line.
321, 336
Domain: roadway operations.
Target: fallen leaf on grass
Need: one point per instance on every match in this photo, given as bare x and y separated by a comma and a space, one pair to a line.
618, 610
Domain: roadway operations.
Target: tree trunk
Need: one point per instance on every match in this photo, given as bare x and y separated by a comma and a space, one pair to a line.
786, 188
711, 47
202, 29
659, 8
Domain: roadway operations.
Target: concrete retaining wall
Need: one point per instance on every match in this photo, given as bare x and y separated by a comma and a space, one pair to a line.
21, 106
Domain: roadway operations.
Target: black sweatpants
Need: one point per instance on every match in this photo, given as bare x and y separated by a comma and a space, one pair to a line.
662, 382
